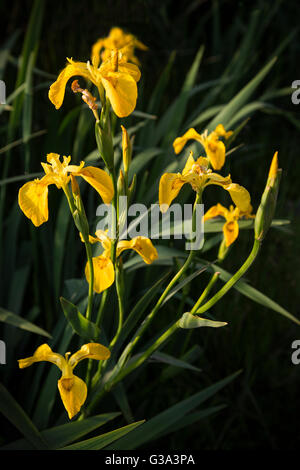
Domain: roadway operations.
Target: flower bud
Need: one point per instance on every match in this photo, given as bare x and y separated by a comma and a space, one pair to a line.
126, 148
267, 206
105, 145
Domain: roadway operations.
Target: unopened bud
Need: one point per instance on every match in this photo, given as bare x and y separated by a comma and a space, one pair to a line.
126, 149
265, 212
131, 189
105, 145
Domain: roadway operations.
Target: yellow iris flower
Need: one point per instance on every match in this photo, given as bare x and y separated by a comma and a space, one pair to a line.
118, 39
232, 215
198, 175
33, 196
116, 76
72, 389
104, 274
214, 147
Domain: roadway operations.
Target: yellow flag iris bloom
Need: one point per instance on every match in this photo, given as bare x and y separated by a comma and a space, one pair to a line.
72, 389
33, 196
116, 76
232, 215
104, 274
214, 147
118, 39
199, 175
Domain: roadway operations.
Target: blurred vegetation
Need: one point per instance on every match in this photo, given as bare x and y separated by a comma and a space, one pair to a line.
239, 39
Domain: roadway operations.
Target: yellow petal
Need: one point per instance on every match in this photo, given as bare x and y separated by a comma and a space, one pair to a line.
121, 90
105, 241
123, 67
33, 200
100, 181
73, 392
43, 353
215, 211
274, 166
96, 49
231, 232
189, 164
90, 351
57, 89
142, 245
180, 142
215, 151
104, 274
215, 178
169, 186
240, 196
220, 131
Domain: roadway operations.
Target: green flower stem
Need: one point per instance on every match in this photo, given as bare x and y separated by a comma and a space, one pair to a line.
120, 294
233, 280
205, 293
128, 350
102, 306
89, 255
144, 356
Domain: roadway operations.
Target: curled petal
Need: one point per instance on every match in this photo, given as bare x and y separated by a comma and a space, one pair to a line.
142, 245
57, 89
104, 274
33, 200
215, 211
100, 181
73, 392
180, 142
121, 90
90, 351
43, 353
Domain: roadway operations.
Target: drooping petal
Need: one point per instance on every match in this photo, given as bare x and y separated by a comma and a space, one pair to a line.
215, 178
100, 181
121, 90
169, 186
215, 211
142, 245
33, 200
231, 231
180, 142
215, 151
57, 89
73, 392
240, 196
90, 351
43, 353
104, 273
